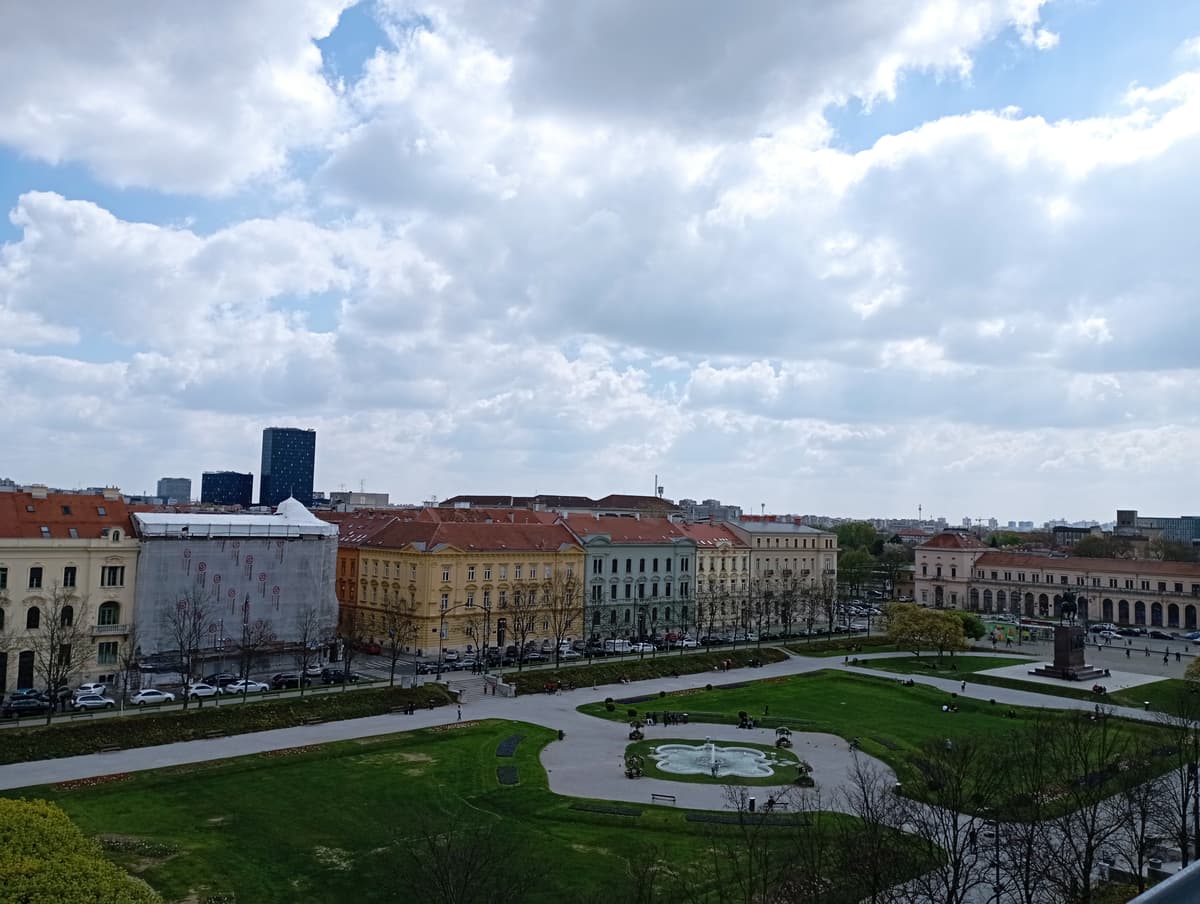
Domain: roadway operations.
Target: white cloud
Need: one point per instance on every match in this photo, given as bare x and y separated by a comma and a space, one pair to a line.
186, 97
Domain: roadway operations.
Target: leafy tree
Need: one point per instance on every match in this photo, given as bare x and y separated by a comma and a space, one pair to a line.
914, 628
892, 560
972, 624
854, 568
1002, 538
522, 618
46, 859
1172, 551
855, 535
1101, 546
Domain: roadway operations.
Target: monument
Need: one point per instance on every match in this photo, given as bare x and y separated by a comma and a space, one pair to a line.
1070, 645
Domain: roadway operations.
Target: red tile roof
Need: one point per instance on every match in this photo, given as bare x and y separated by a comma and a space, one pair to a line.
445, 515
23, 515
625, 530
953, 540
1149, 568
468, 536
637, 503
708, 535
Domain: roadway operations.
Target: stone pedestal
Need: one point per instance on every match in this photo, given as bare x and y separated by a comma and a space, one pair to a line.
1070, 643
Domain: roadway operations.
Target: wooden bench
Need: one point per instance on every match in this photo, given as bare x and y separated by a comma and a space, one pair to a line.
665, 798
215, 733
111, 748
314, 721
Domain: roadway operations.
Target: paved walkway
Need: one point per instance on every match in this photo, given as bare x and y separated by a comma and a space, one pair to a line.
586, 764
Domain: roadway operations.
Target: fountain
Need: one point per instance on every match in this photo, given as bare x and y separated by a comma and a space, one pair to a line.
708, 758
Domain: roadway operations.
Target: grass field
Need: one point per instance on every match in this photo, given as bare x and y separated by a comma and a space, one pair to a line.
891, 721
784, 761
928, 665
340, 822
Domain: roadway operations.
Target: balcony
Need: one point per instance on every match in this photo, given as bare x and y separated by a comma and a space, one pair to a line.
109, 629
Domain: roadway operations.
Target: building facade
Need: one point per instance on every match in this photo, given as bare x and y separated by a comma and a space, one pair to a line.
640, 573
69, 552
227, 488
244, 568
942, 574
289, 456
782, 552
723, 577
175, 490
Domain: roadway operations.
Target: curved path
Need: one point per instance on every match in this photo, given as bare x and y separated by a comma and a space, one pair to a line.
587, 763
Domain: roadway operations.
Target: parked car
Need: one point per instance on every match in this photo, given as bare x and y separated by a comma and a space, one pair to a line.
709, 640
685, 643
370, 647
245, 686
21, 705
450, 656
338, 676
424, 667
467, 665
1161, 635
569, 654
220, 679
285, 680
201, 689
1109, 635
93, 701
314, 671
533, 656
642, 647
90, 689
151, 696
1191, 635
27, 692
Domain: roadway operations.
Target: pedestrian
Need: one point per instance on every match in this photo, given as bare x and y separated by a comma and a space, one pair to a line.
963, 687
460, 712
766, 709
1147, 649
972, 837
1176, 655
1166, 658
1127, 652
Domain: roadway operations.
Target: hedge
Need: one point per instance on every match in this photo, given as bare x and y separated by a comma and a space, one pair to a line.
52, 742
45, 859
662, 665
842, 642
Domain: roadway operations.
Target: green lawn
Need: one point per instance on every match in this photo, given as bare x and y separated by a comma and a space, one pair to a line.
891, 721
948, 668
337, 823
784, 761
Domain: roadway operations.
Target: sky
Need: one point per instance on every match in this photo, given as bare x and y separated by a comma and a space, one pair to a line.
846, 258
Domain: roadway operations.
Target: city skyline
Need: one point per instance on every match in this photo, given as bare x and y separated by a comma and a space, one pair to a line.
829, 261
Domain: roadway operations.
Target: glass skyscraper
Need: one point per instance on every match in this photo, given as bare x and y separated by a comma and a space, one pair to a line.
288, 457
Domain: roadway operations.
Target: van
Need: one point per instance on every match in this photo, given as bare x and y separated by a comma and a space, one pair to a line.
617, 646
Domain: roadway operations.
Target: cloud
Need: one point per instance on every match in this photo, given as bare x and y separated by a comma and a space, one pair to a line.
199, 98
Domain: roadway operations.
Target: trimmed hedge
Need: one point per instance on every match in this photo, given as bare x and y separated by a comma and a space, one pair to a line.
662, 665
842, 642
55, 741
45, 859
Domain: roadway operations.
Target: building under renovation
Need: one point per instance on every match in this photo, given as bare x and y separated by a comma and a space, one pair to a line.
244, 567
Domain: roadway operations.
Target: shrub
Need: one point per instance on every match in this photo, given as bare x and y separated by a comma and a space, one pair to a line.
632, 713
609, 705
45, 859
149, 729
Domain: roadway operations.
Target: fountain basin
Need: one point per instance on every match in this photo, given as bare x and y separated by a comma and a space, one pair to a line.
718, 761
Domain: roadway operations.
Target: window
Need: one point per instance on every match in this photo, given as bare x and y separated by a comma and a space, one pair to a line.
101, 510
641, 591
628, 591
69, 576
1145, 585
503, 599
470, 599
3, 578
683, 566
375, 568
1008, 575
33, 619
654, 589
67, 616
112, 576
924, 570
516, 572
487, 599
939, 572
445, 574
45, 531
106, 653
994, 576
445, 601
597, 566
612, 592
386, 567
1062, 579
954, 571
629, 566
1178, 588
470, 572
35, 577
504, 572
597, 592
683, 590
1, 619
641, 566
667, 589
668, 566
655, 568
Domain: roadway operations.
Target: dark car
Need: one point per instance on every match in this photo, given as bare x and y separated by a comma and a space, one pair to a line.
337, 676
220, 679
1131, 632
1161, 635
24, 705
286, 680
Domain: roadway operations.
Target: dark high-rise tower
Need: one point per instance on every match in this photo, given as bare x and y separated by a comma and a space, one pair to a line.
288, 457
227, 488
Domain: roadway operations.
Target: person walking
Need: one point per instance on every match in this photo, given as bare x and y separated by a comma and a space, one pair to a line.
460, 712
1127, 652
963, 687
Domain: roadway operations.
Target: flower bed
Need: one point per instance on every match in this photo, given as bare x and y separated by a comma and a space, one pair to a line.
147, 730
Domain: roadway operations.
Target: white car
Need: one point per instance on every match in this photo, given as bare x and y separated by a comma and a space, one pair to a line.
245, 685
569, 654
93, 701
151, 696
90, 689
450, 656
200, 689
642, 648
685, 643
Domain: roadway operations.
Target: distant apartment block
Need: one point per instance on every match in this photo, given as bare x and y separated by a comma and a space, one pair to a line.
227, 488
709, 510
289, 456
175, 490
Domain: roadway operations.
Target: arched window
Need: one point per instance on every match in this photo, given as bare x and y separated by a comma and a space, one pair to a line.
1123, 612
1172, 616
33, 619
1139, 612
974, 599
987, 601
67, 616
1001, 600
1156, 614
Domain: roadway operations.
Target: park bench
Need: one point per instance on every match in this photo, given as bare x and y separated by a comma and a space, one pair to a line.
315, 720
215, 733
664, 798
111, 748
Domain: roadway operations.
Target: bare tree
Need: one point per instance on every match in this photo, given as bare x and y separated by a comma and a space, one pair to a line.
311, 634
1141, 808
1181, 721
185, 625
751, 859
566, 607
1086, 754
1023, 840
871, 797
128, 659
400, 629
957, 783
522, 618
352, 627
257, 635
61, 642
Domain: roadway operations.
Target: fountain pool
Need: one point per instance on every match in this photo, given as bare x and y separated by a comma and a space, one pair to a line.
709, 759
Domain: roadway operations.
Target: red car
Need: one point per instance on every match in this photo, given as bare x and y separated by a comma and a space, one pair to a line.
370, 647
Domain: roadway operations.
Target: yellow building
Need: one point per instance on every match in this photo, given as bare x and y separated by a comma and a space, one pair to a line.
73, 553
464, 579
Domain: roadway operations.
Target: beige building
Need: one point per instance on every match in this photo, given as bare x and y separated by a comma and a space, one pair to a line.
957, 571
722, 576
782, 552
80, 546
